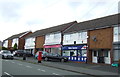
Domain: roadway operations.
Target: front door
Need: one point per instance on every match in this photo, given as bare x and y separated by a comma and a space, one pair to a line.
100, 56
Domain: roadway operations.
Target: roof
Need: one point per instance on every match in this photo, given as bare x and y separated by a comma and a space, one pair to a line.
103, 22
58, 28
17, 35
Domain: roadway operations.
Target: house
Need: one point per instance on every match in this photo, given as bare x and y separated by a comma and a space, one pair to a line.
35, 41
5, 43
101, 39
54, 37
75, 43
48, 39
98, 35
16, 39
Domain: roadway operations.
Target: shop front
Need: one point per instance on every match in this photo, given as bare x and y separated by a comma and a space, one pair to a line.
53, 49
101, 56
75, 53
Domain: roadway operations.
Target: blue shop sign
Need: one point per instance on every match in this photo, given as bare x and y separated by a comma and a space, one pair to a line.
72, 47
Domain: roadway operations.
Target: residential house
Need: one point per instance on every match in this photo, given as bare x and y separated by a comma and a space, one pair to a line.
48, 39
35, 41
98, 35
54, 37
75, 43
5, 43
101, 39
16, 39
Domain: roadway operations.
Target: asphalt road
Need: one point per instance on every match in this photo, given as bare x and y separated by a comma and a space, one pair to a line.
13, 68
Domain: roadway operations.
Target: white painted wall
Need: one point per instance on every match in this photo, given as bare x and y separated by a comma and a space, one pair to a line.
53, 38
15, 40
5, 44
30, 43
79, 37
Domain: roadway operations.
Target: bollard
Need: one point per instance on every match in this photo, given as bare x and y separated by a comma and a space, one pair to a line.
24, 57
39, 57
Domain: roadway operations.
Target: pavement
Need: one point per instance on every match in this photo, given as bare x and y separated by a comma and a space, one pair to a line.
89, 69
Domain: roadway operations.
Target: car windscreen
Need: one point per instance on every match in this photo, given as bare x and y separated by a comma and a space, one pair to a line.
6, 52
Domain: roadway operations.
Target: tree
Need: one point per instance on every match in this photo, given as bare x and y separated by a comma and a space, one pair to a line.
15, 46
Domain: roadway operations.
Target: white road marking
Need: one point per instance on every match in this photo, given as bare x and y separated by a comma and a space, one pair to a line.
8, 74
43, 70
55, 74
29, 66
20, 64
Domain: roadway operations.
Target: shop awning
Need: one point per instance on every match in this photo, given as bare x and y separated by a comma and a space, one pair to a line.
52, 46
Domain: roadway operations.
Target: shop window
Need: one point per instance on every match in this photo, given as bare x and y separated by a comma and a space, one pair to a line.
95, 53
105, 53
66, 53
73, 53
84, 52
79, 53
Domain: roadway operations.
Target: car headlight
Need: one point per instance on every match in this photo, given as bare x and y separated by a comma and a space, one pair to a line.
5, 54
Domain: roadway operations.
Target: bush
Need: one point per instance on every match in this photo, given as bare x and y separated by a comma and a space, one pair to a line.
15, 46
4, 48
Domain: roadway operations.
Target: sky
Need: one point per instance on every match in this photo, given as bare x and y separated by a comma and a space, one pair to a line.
18, 16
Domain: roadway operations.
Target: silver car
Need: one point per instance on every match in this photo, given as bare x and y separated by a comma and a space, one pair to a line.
6, 54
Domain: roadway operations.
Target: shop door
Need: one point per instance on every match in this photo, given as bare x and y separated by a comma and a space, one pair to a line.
100, 57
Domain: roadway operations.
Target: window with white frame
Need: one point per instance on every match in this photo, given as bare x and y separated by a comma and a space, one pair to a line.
67, 37
57, 35
116, 36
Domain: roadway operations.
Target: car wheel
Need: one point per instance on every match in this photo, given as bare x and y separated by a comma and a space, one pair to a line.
62, 60
46, 59
2, 57
18, 55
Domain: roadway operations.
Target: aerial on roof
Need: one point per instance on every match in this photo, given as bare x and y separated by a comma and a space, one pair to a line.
17, 35
58, 28
103, 22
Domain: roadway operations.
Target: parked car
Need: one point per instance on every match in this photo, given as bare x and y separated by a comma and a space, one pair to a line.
7, 54
43, 54
56, 57
21, 53
18, 53
28, 54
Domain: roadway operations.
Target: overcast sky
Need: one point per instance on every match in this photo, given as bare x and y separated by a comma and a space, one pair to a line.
17, 16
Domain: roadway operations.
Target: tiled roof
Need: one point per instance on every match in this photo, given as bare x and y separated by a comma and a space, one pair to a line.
103, 22
58, 28
16, 35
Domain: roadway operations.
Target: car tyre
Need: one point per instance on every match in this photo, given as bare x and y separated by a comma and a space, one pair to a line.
18, 55
62, 60
46, 59
2, 57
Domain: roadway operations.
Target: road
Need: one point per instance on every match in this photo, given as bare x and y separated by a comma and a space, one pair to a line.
14, 68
